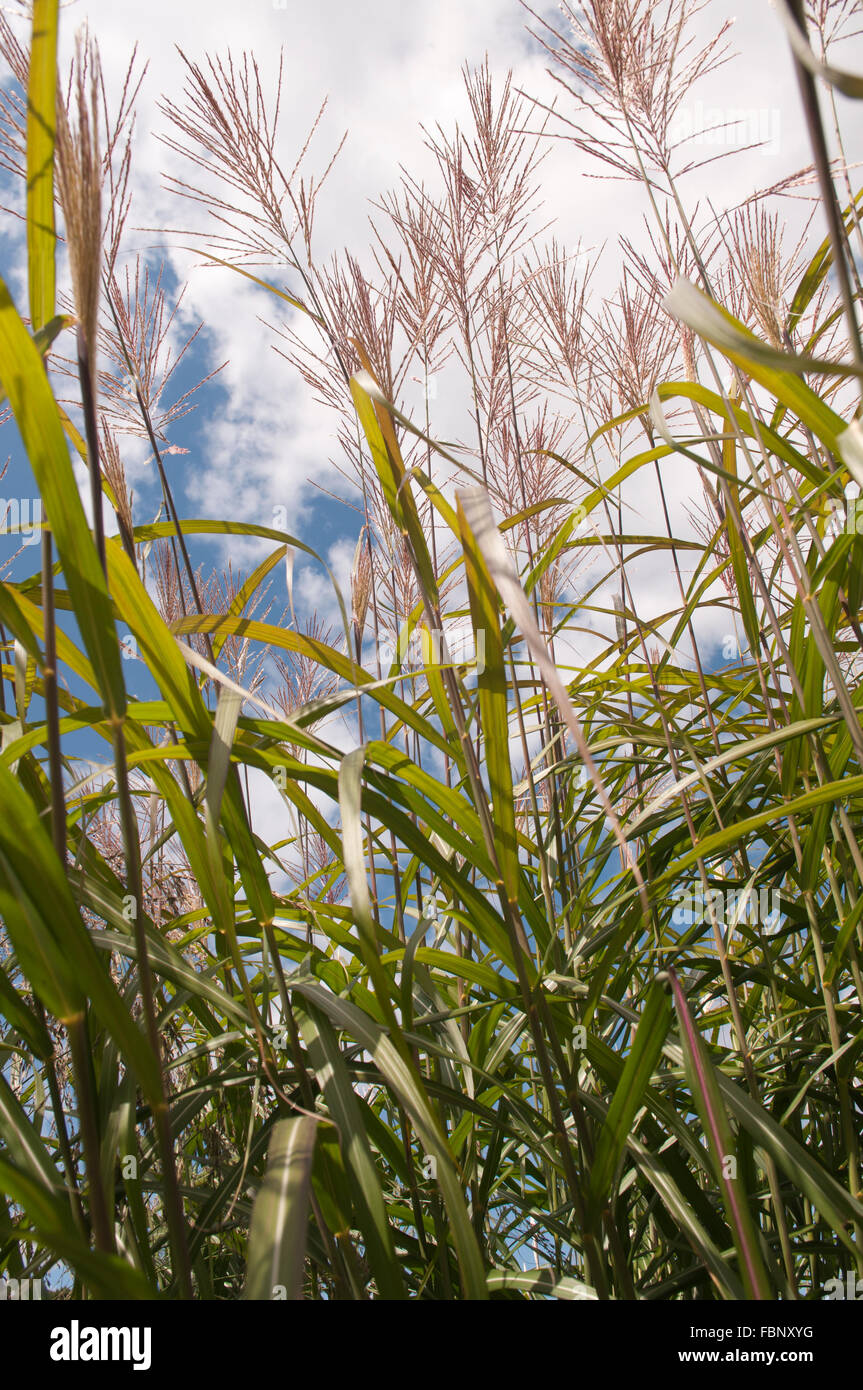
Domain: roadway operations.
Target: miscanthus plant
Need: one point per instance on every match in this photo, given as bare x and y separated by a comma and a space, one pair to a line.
550, 985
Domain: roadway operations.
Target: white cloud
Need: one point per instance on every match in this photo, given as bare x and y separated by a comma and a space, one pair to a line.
259, 436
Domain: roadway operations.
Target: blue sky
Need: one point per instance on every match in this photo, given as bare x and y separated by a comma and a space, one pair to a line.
257, 440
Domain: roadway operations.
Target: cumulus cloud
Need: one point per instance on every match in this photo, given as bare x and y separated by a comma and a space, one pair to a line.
259, 439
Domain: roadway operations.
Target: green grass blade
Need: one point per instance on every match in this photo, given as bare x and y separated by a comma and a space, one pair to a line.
23, 375
708, 1099
629, 1091
41, 129
280, 1218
